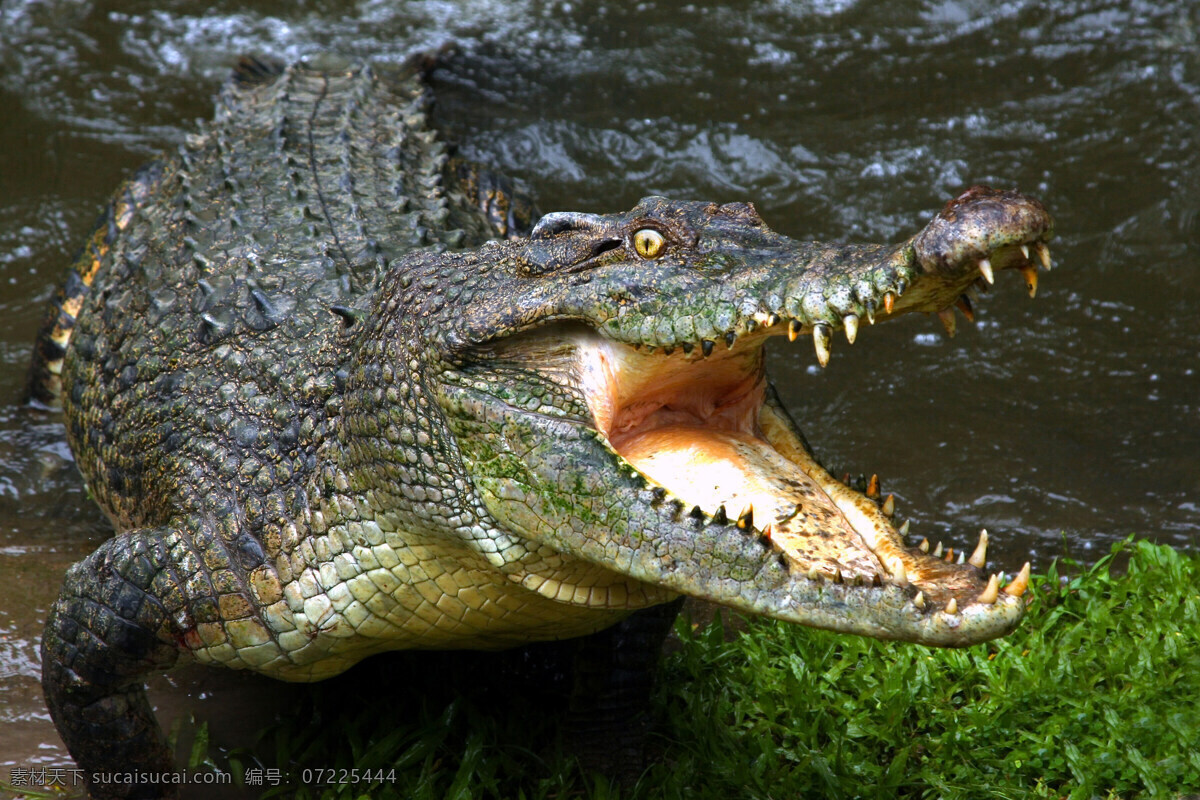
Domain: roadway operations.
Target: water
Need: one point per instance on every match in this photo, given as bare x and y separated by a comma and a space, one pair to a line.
1061, 424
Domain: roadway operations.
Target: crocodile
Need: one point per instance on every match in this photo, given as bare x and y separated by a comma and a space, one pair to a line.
341, 392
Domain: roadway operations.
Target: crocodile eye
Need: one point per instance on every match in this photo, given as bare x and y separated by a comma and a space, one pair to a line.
649, 243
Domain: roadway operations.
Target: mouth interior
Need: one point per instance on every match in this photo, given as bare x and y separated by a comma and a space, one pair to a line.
699, 427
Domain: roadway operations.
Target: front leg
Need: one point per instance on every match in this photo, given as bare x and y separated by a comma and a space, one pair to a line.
116, 619
607, 720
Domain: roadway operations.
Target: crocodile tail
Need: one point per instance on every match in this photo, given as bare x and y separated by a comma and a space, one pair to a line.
509, 210
54, 335
254, 71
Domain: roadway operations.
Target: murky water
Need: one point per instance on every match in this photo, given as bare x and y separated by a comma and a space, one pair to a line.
1060, 425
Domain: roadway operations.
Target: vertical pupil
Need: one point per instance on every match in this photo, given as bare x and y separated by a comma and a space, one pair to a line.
646, 243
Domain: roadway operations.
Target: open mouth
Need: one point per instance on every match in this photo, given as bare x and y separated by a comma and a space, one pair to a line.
705, 427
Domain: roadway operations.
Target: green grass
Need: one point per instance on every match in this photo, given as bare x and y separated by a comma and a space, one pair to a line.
1097, 694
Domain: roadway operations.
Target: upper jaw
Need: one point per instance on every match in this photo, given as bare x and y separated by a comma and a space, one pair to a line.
785, 287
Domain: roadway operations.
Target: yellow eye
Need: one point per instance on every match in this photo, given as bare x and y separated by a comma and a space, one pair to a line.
649, 243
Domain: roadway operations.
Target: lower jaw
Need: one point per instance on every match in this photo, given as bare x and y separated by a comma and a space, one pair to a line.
704, 429
743, 477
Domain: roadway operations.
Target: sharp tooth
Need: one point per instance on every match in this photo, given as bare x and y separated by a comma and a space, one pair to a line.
1043, 254
919, 600
851, 323
952, 606
720, 517
889, 302
822, 339
899, 575
962, 557
706, 347
1025, 251
904, 528
837, 576
985, 268
889, 505
873, 487
846, 479
979, 557
1020, 583
746, 518
871, 311
949, 559
923, 546
793, 329
730, 338
773, 320
946, 315
963, 304
991, 592
937, 551
1030, 273
766, 533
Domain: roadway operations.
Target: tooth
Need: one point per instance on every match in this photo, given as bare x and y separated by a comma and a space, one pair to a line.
871, 311
889, 505
919, 600
937, 551
979, 557
746, 518
851, 323
949, 559
1043, 254
846, 479
985, 268
873, 487
766, 533
946, 315
991, 592
837, 576
899, 575
904, 528
793, 329
1019, 583
963, 304
889, 301
815, 575
720, 517
773, 320
962, 557
730, 338
1025, 251
706, 347
1030, 273
822, 339
923, 546
952, 606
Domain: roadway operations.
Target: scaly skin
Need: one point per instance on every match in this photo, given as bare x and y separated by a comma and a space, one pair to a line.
322, 435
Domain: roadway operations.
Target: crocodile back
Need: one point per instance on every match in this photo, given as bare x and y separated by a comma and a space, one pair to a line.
197, 333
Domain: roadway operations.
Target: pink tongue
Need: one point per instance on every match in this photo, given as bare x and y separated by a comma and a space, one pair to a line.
711, 468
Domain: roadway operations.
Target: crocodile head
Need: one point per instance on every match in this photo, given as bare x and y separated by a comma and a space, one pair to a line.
604, 381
